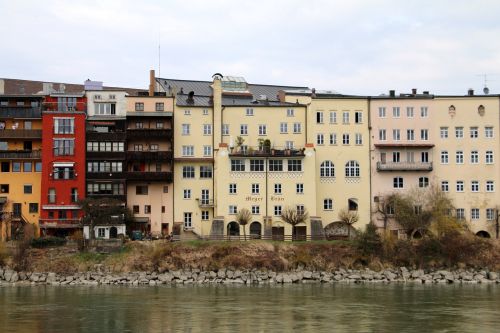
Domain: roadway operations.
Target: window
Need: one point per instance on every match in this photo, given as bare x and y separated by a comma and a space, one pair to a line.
289, 145
64, 125
205, 171
27, 166
188, 172
28, 189
396, 134
490, 214
444, 157
187, 150
294, 165
277, 210
489, 157
300, 209
249, 112
409, 112
186, 129
187, 112
474, 132
275, 165
277, 188
490, 186
233, 209
188, 220
237, 165
154, 147
474, 186
297, 128
488, 132
225, 129
345, 139
16, 166
410, 135
423, 182
381, 112
424, 112
396, 112
358, 138
255, 210
38, 166
141, 190
327, 169
147, 209
459, 132
445, 186
459, 157
165, 189
262, 130
33, 207
159, 106
4, 188
382, 135
345, 117
101, 232
187, 193
398, 182
255, 189
443, 132
460, 213
358, 117
256, 165
244, 129
139, 125
204, 215
105, 108
290, 112
207, 150
333, 117
299, 188
319, 117
333, 138
232, 188
137, 147
52, 195
320, 139
424, 134
352, 169
424, 157
207, 129
139, 106
396, 156
474, 214
460, 185
159, 125
64, 147
283, 128
474, 157
328, 204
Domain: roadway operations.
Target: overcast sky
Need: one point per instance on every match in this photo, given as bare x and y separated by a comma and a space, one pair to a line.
354, 47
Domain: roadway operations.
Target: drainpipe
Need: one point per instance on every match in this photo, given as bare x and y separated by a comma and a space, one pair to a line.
370, 153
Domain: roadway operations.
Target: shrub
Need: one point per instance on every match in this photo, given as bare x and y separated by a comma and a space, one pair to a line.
48, 241
3, 254
368, 242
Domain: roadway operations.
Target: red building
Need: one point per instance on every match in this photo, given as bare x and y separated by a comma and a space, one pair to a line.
63, 163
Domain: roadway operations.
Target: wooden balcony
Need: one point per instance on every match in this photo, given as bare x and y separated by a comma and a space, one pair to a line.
20, 154
20, 134
106, 175
162, 176
57, 223
149, 133
20, 112
404, 166
106, 136
150, 155
106, 155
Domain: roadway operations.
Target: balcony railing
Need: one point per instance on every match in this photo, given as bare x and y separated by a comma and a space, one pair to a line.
20, 134
150, 176
205, 203
64, 107
106, 175
404, 166
266, 152
105, 136
121, 197
149, 155
107, 155
20, 154
147, 133
21, 112
57, 223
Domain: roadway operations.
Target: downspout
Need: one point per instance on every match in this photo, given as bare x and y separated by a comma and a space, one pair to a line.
370, 156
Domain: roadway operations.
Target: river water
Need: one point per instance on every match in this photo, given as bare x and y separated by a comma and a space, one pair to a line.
278, 308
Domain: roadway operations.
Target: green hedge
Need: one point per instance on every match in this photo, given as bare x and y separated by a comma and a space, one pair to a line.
47, 242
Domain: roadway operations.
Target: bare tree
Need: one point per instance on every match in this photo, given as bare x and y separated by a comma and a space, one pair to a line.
243, 217
348, 217
294, 217
385, 207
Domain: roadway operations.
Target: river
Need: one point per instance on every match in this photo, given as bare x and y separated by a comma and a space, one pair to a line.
279, 308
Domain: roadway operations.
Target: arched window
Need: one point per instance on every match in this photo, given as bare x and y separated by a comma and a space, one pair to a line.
352, 169
328, 204
327, 169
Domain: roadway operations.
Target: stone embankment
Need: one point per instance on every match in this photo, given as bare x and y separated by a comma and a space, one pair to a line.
235, 276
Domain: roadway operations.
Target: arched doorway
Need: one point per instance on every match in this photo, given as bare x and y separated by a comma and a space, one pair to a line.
483, 234
113, 232
233, 229
255, 230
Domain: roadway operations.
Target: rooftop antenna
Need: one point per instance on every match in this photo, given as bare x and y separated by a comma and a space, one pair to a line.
159, 55
486, 90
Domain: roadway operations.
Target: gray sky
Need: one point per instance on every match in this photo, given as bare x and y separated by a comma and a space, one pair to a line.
354, 47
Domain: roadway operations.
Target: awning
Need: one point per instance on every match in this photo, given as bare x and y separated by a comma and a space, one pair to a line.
3, 200
141, 219
63, 164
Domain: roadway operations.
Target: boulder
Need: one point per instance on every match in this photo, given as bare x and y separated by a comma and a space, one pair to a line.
492, 275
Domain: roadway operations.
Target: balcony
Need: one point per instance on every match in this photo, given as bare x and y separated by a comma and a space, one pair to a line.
64, 107
105, 136
21, 112
149, 155
120, 197
150, 176
205, 203
266, 152
20, 154
107, 155
20, 134
106, 175
149, 133
56, 223
404, 166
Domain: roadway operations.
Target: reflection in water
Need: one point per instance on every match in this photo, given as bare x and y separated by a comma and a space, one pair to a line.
306, 308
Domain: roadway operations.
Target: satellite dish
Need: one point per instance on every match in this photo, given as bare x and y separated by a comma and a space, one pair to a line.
486, 90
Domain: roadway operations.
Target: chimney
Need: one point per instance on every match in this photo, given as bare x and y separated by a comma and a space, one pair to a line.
425, 92
190, 99
470, 92
152, 82
392, 93
313, 92
2, 86
414, 91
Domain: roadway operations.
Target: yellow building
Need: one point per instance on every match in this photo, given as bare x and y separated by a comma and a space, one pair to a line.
20, 162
